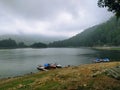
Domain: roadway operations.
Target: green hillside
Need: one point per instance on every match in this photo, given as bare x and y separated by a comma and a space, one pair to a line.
107, 33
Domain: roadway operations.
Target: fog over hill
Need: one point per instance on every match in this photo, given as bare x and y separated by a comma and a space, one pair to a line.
30, 39
107, 33
46, 21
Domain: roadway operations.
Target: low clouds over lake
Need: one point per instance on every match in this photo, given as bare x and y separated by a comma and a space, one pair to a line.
50, 17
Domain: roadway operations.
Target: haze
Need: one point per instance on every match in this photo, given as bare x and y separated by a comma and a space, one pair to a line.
61, 18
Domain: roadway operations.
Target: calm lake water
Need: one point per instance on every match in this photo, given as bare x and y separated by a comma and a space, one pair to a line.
15, 62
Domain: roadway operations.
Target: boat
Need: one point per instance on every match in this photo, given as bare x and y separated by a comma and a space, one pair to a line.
41, 68
48, 66
59, 66
98, 60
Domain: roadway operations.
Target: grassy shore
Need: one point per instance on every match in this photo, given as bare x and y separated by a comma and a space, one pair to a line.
107, 48
83, 77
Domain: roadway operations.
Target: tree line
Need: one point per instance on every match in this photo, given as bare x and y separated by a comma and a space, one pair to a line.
9, 43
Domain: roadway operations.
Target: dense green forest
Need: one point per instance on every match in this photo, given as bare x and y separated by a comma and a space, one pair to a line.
105, 34
38, 45
9, 43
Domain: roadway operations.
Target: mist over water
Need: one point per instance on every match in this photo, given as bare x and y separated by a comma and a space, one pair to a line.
14, 62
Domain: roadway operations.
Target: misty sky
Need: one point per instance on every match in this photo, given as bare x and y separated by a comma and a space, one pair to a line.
49, 17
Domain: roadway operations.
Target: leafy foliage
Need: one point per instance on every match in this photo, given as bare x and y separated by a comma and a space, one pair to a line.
104, 34
113, 6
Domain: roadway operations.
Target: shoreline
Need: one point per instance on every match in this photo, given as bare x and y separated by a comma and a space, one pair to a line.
39, 71
107, 48
85, 77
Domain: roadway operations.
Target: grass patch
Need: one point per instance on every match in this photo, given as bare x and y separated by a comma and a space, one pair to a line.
48, 86
107, 48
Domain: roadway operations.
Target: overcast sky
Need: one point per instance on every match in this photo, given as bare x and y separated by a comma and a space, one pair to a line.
50, 17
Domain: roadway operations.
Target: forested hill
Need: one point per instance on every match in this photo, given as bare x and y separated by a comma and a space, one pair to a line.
10, 44
107, 33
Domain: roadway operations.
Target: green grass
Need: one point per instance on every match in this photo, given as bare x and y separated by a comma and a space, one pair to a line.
114, 48
107, 48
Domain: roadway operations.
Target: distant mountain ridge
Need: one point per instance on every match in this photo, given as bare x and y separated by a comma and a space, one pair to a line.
30, 39
107, 33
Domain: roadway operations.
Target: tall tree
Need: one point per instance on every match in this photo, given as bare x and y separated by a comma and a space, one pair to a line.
112, 5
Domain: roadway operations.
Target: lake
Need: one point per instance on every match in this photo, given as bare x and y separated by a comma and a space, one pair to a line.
14, 62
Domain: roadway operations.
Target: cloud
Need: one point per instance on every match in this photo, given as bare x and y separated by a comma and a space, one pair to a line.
50, 17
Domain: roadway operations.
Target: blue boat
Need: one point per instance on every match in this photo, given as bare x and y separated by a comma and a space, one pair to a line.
98, 60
